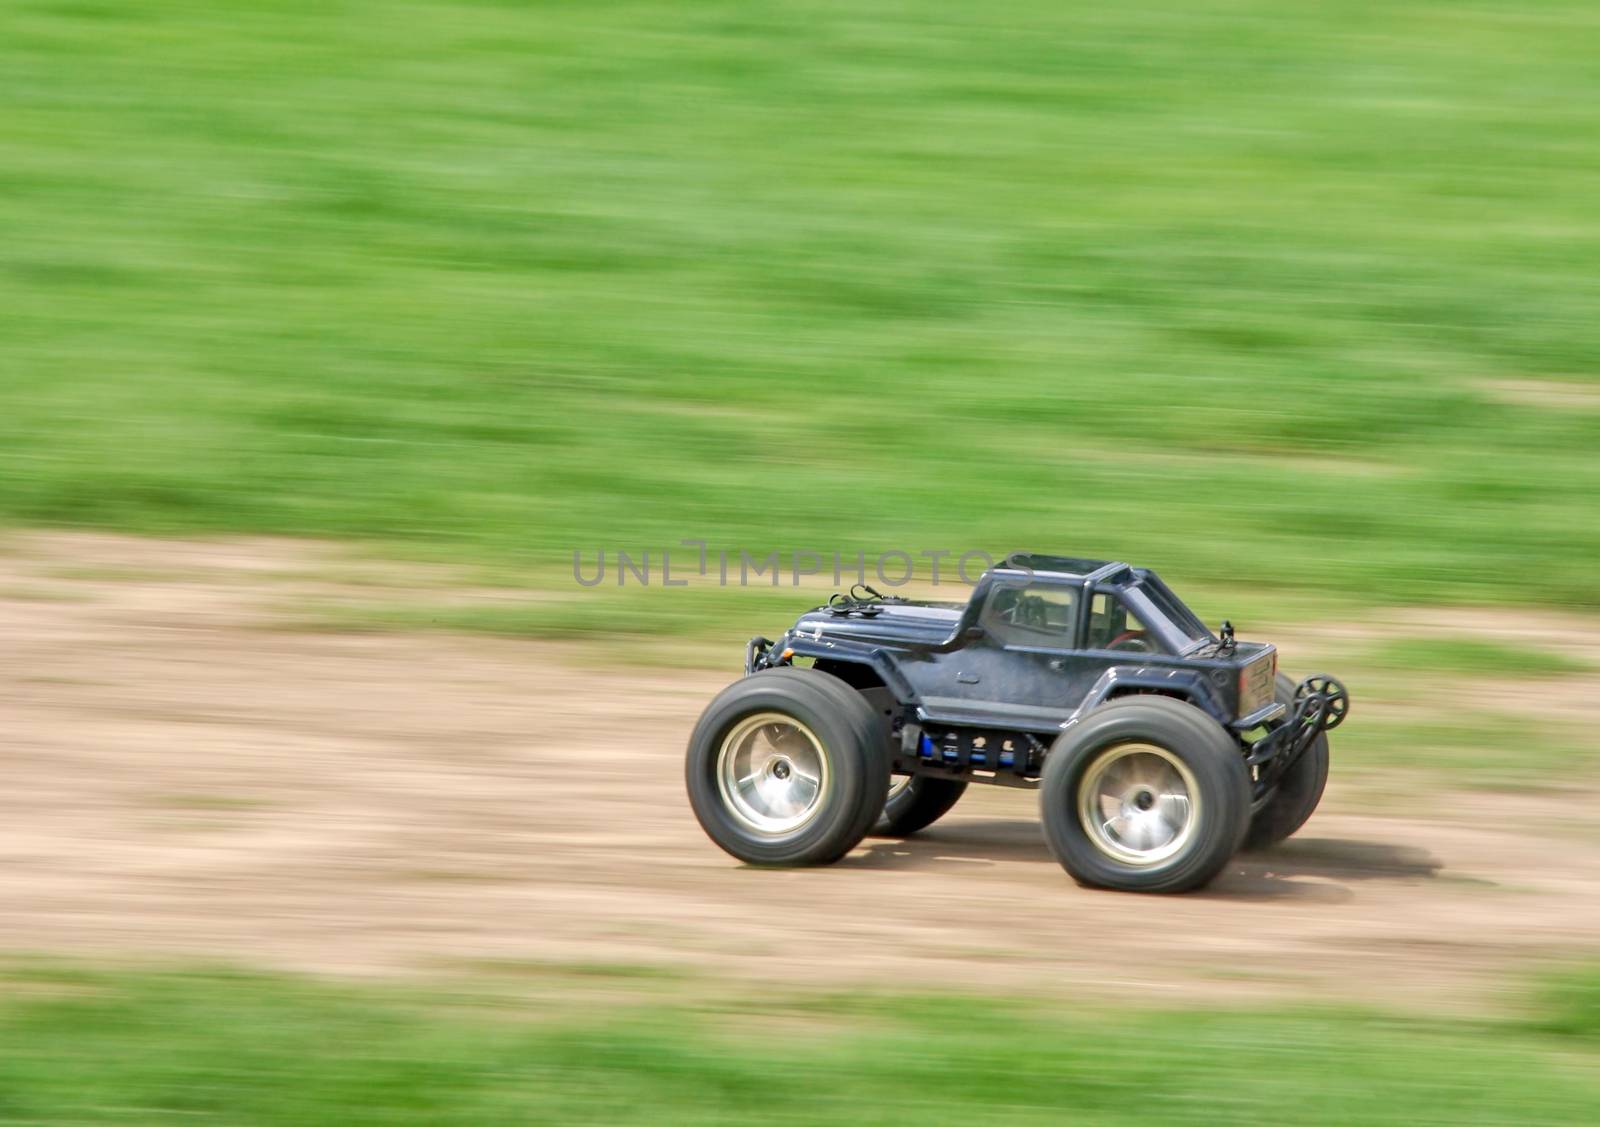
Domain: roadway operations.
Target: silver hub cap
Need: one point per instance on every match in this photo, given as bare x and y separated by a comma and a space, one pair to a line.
1139, 804
772, 774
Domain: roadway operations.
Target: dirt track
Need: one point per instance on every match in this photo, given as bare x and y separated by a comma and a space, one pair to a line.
189, 774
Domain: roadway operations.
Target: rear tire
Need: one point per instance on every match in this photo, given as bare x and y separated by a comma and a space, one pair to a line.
919, 803
1297, 794
787, 767
1144, 794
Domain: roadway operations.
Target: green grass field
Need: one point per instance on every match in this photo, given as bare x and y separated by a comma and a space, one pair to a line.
1466, 656
209, 1048
1249, 292
1297, 301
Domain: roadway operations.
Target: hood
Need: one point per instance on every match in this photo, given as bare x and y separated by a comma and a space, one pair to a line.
1242, 653
923, 623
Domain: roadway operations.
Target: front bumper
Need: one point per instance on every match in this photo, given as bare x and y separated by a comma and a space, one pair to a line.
756, 654
1320, 704
1261, 716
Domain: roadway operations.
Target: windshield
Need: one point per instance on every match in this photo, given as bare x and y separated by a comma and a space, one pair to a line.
1151, 601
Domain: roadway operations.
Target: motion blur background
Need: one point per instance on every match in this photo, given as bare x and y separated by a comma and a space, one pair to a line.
1296, 303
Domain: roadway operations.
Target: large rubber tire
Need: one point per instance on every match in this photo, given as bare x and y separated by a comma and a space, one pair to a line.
854, 787
917, 805
1217, 787
1295, 798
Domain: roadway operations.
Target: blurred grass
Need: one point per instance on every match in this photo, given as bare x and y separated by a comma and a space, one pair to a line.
1571, 1005
719, 620
1239, 290
1466, 655
1482, 747
160, 1047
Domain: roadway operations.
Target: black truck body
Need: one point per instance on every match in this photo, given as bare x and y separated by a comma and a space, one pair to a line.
978, 690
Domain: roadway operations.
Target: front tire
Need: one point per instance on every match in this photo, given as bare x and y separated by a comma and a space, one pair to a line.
1144, 794
1292, 802
787, 767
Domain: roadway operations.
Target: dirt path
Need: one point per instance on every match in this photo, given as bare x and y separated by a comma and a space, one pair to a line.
187, 775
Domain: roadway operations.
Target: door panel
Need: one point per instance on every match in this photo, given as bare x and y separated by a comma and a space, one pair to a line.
1024, 667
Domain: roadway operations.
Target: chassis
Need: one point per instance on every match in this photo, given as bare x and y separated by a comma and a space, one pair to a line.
1158, 746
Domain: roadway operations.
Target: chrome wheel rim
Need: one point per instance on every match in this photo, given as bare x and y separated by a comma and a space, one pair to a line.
1139, 803
898, 785
772, 773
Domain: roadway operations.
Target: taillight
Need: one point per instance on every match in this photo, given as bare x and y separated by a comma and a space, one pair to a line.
1257, 682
